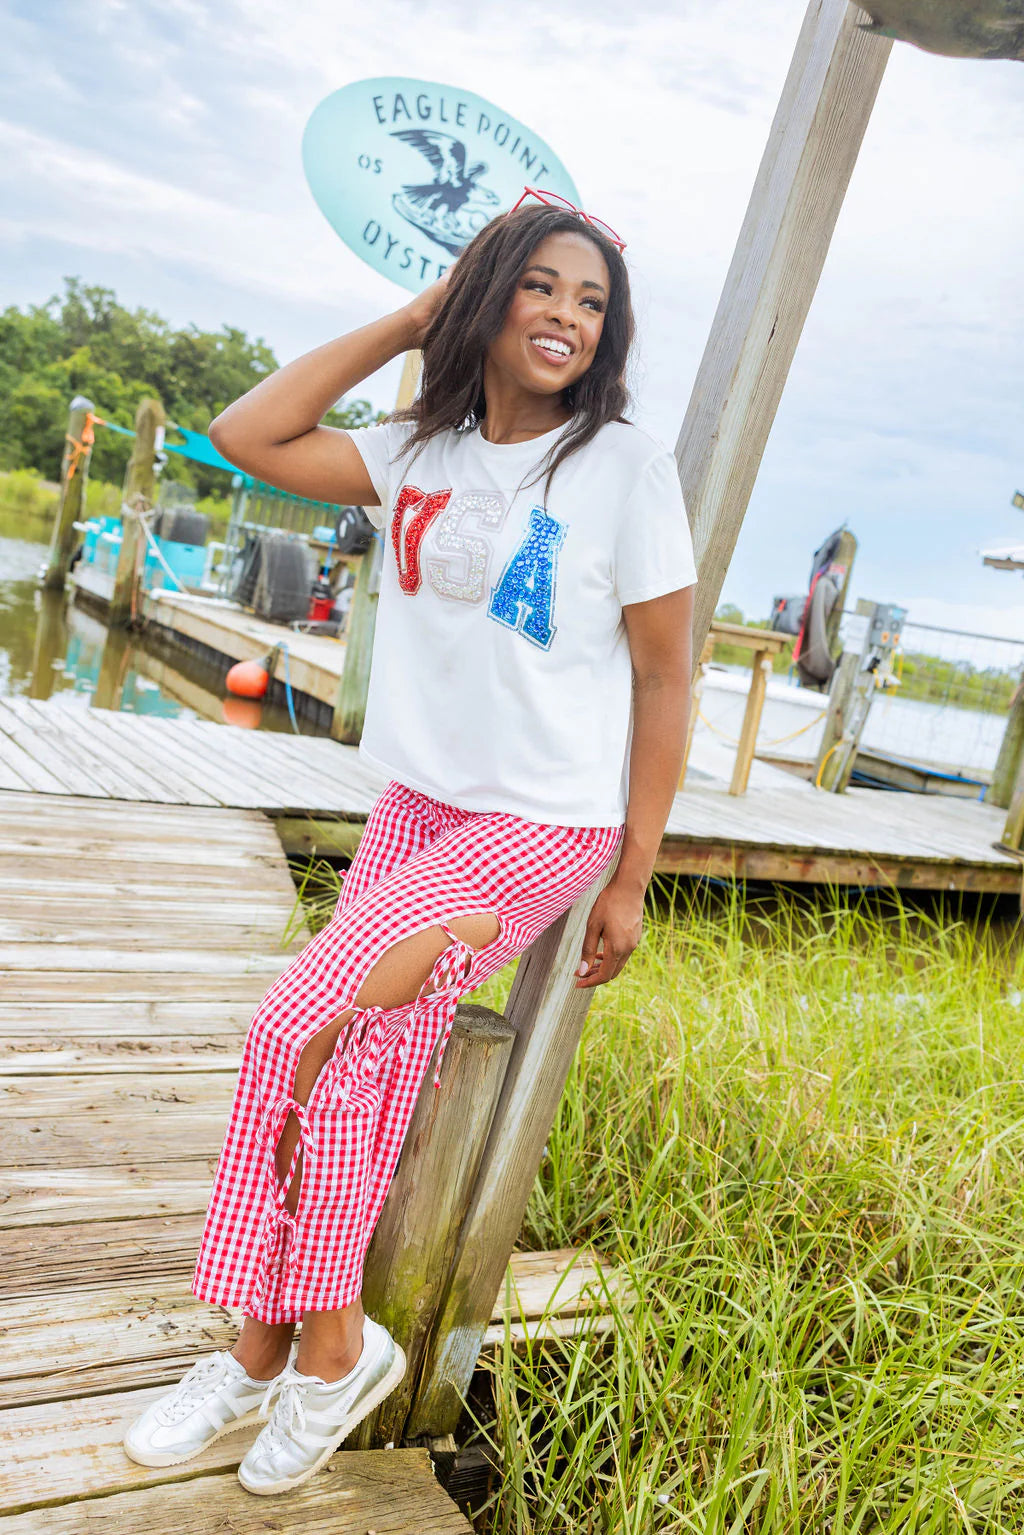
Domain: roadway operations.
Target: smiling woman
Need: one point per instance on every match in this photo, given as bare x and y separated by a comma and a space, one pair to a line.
528, 704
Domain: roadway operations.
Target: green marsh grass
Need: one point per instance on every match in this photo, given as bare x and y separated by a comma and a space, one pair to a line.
797, 1127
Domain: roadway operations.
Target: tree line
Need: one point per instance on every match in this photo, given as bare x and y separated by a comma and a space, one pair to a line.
83, 341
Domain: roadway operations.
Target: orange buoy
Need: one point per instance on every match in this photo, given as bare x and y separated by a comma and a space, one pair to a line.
247, 712
248, 679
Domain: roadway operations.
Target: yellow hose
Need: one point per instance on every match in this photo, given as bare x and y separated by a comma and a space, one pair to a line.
832, 748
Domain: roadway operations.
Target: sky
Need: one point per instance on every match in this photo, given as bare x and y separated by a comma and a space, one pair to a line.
153, 146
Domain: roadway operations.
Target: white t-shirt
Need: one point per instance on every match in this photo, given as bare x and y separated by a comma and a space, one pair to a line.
501, 677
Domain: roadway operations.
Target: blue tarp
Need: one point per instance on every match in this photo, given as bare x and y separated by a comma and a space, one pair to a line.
198, 447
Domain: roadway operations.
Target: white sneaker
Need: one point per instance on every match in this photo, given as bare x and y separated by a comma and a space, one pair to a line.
312, 1416
215, 1397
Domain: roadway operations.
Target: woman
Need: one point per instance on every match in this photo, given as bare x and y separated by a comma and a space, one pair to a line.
528, 704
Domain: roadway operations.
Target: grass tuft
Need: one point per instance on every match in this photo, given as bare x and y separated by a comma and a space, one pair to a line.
797, 1127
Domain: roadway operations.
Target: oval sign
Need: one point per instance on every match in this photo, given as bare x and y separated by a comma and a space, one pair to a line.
407, 171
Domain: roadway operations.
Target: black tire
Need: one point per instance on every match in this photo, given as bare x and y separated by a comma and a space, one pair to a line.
284, 582
355, 530
183, 525
817, 663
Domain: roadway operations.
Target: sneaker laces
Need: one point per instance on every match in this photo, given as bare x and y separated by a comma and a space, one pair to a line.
205, 1375
289, 1411
289, 1416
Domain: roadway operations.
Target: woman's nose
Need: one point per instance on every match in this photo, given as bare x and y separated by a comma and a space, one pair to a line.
561, 313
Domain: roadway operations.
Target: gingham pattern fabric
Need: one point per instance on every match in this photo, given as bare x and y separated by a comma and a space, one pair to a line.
420, 863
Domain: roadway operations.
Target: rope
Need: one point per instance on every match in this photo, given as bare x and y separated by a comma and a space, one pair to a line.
734, 740
80, 450
156, 550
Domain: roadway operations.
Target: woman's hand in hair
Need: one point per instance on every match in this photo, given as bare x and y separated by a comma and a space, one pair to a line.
422, 310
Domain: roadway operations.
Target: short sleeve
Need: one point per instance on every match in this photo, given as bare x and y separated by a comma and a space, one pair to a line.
653, 550
378, 446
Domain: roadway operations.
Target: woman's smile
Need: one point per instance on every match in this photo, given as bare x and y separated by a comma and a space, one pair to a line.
554, 349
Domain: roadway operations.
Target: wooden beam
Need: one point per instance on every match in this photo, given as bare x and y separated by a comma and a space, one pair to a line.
410, 1255
812, 147
730, 860
350, 701
759, 676
1011, 753
138, 496
73, 474
548, 1011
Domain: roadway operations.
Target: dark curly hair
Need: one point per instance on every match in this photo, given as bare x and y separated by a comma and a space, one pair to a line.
477, 299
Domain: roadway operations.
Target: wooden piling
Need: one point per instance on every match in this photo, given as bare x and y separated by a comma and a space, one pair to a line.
414, 1243
850, 698
832, 762
350, 699
1011, 753
74, 472
547, 1011
350, 702
138, 497
812, 148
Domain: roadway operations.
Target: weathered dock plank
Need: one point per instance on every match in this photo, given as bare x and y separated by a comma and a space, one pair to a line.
386, 1492
138, 936
123, 1006
319, 792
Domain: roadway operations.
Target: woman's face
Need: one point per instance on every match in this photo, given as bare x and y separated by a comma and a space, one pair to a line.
556, 316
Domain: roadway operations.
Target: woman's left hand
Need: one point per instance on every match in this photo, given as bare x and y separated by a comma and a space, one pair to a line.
613, 932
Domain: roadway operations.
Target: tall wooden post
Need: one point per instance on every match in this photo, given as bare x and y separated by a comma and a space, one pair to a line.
74, 471
843, 563
853, 690
1011, 753
807, 164
350, 700
840, 695
138, 496
806, 167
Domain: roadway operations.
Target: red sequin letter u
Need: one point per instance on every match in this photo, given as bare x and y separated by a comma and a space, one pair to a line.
407, 535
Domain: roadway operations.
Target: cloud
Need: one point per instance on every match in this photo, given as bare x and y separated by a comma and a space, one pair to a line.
162, 141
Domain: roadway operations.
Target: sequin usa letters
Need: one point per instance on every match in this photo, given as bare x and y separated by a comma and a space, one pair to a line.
459, 554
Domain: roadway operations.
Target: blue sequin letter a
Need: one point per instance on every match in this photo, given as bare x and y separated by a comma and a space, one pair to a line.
524, 598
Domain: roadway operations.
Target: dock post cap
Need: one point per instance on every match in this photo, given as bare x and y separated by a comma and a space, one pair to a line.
80, 402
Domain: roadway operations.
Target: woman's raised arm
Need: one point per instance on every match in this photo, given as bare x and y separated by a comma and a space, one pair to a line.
274, 432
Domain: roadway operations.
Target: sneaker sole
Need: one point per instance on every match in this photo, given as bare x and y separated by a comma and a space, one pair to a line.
165, 1458
383, 1388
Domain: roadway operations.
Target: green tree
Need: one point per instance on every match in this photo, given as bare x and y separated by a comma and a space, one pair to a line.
84, 342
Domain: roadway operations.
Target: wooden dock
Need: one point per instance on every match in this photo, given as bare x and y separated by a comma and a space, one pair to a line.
137, 939
319, 792
213, 627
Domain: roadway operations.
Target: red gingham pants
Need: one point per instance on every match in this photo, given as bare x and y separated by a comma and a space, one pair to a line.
420, 863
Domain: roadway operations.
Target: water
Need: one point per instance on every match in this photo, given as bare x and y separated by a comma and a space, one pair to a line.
50, 648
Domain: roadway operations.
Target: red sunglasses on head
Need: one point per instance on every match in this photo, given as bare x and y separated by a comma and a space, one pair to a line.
554, 200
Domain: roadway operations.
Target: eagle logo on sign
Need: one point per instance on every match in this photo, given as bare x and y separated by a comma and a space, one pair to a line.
454, 206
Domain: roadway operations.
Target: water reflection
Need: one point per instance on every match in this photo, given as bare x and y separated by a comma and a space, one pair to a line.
51, 648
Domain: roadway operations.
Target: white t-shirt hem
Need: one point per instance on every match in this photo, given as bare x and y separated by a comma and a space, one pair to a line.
648, 593
474, 802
